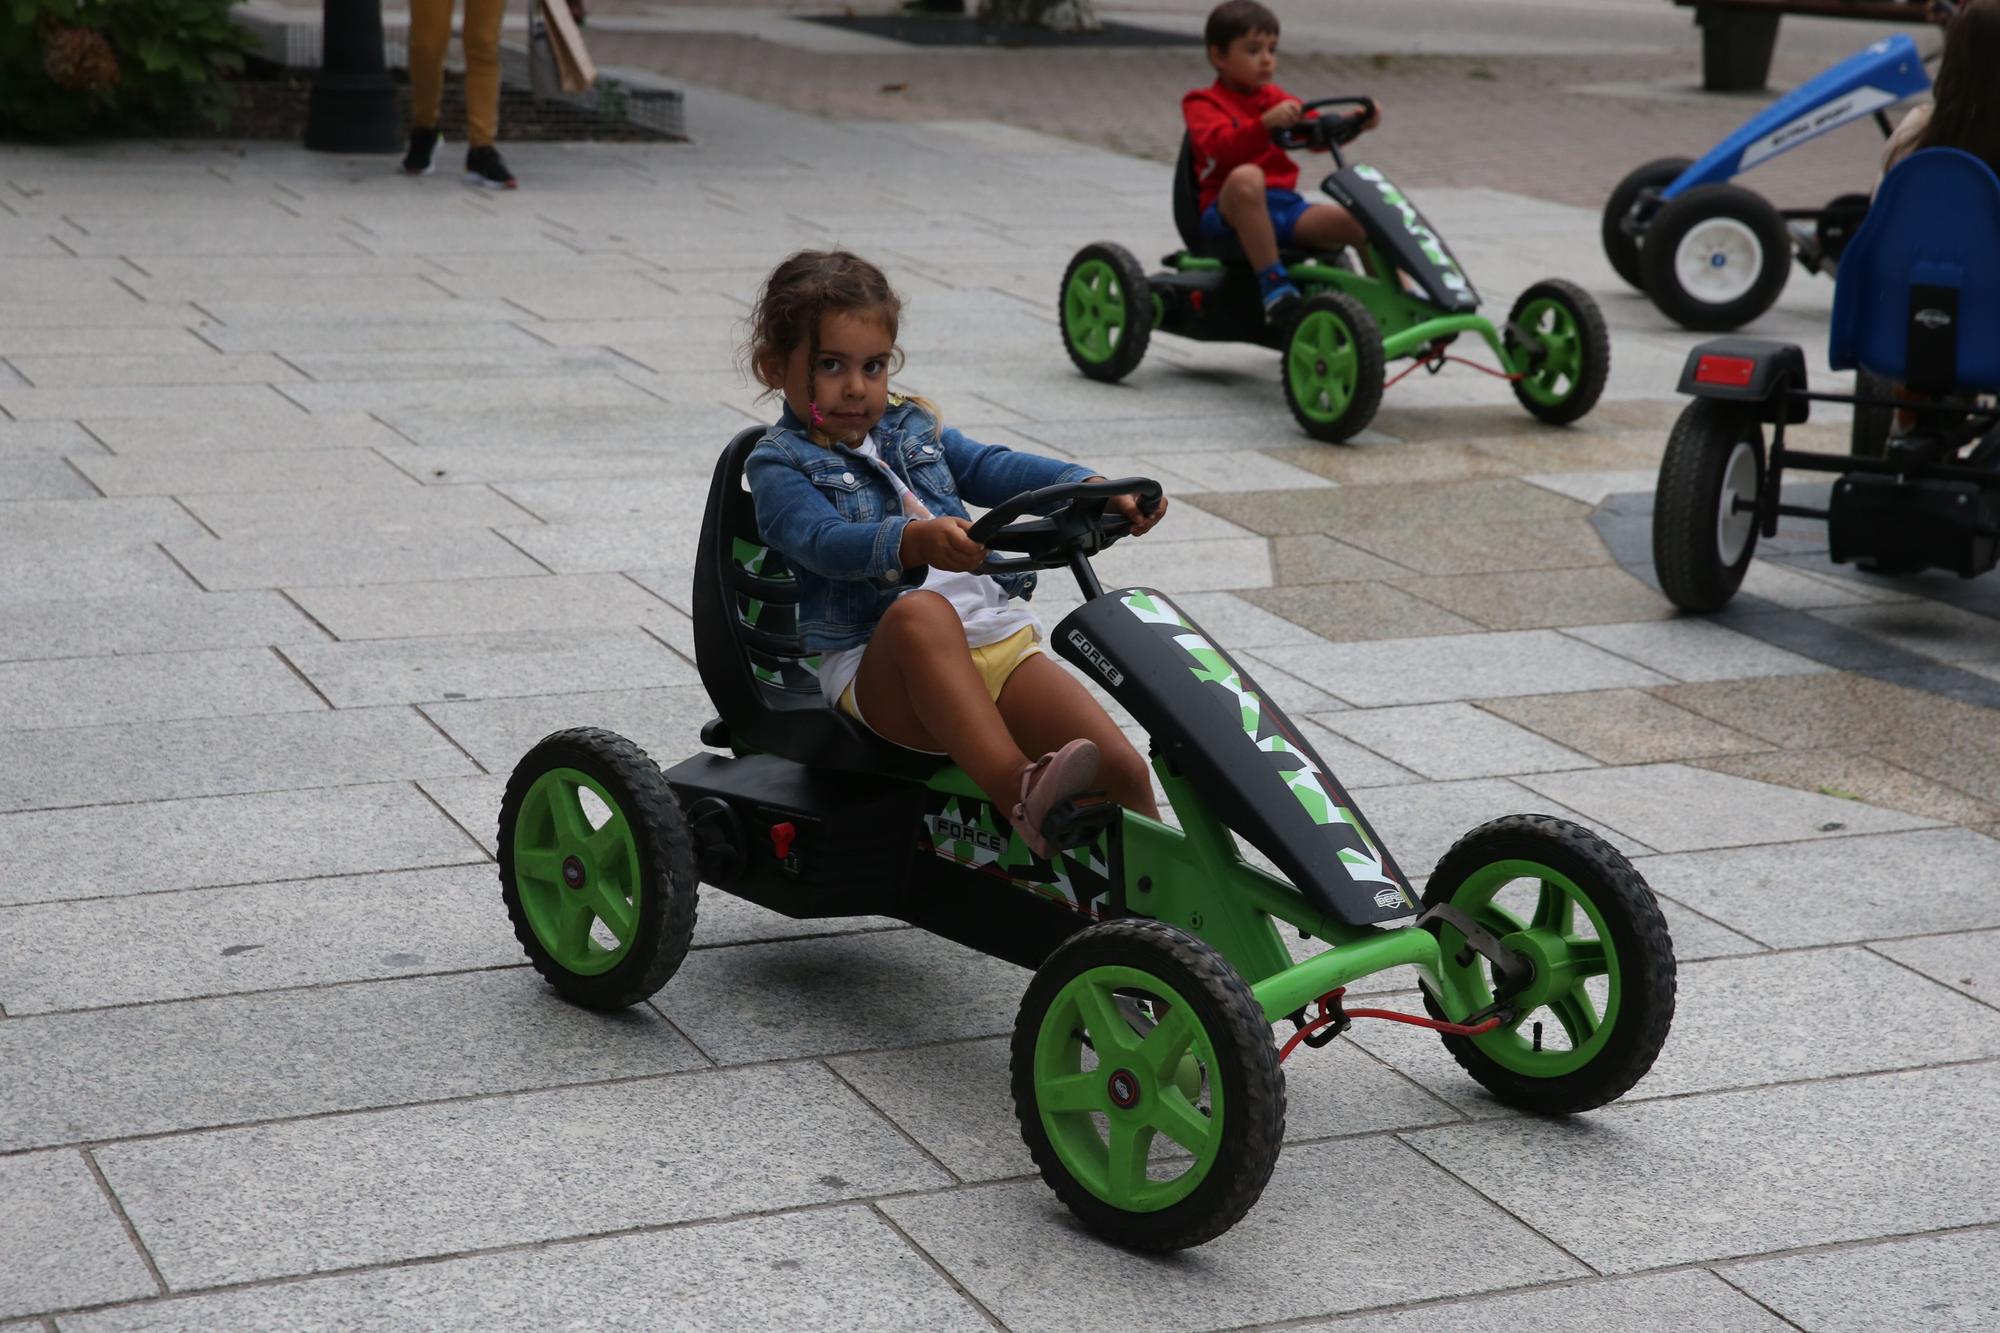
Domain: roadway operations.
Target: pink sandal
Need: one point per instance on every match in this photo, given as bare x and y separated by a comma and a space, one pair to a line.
1049, 782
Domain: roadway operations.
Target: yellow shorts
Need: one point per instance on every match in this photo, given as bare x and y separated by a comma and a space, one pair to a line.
995, 662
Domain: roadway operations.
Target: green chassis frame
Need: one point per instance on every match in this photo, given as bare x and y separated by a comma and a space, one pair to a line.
1408, 323
1194, 877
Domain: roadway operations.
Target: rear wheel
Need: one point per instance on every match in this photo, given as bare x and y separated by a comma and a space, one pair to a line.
1705, 504
1716, 257
1562, 320
1146, 1085
1107, 311
1333, 367
1623, 250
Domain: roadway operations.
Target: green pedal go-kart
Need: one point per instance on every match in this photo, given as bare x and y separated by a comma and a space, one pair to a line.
1555, 348
1145, 1074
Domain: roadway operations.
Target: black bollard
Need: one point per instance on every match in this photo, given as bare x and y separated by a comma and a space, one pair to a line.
353, 104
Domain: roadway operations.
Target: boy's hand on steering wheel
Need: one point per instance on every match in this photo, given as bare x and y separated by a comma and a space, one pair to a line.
1284, 115
1128, 505
941, 543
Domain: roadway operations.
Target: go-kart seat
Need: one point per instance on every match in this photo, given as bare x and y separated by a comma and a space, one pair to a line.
758, 673
1187, 217
1917, 298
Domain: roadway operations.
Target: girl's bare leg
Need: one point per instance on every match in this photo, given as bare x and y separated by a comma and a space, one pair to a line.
1046, 708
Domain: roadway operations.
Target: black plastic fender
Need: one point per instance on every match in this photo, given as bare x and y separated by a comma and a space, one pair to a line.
1749, 370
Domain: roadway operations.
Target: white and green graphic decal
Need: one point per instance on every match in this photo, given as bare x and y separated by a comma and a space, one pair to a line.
1413, 222
1299, 769
965, 831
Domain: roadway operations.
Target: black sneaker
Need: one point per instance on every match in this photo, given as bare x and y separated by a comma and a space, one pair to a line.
484, 168
421, 160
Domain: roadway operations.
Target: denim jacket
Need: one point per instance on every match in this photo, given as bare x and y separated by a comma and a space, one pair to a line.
839, 523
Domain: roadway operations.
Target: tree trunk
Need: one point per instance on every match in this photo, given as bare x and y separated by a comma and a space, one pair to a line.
1062, 15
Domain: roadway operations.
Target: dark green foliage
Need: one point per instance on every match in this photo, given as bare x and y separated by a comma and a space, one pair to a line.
171, 58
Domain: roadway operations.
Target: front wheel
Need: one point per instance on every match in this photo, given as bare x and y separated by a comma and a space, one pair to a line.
596, 868
1716, 257
1146, 1085
1333, 367
1563, 348
1593, 1014
1705, 504
1106, 307
1621, 248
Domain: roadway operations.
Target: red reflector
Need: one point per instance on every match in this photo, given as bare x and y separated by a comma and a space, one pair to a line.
1734, 371
782, 836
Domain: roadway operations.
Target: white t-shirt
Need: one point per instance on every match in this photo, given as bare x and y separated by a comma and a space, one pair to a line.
982, 604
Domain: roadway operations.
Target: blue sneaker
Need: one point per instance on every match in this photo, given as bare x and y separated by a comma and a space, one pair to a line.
1280, 304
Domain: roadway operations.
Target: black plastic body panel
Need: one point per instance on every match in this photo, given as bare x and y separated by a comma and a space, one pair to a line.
1213, 305
1412, 244
1914, 523
1777, 369
1246, 759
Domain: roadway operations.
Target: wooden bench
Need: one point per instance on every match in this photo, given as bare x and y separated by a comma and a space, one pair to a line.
1738, 36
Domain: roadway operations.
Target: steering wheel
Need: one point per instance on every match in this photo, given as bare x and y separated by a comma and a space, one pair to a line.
1080, 527
1326, 131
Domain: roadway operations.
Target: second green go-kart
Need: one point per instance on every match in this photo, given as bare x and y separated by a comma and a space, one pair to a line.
1554, 347
1145, 1074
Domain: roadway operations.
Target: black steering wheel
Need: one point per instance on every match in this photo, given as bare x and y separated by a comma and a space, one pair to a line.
1079, 527
1327, 132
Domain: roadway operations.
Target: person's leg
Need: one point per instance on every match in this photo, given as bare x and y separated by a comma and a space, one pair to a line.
481, 39
1243, 206
1327, 227
1046, 707
430, 34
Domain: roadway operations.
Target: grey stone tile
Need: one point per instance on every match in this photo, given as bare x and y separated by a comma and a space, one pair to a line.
114, 850
239, 1204
46, 770
473, 803
1187, 566
698, 434
1230, 470
59, 523
1015, 1249
406, 309
1694, 649
1940, 1283
41, 476
884, 989
1353, 765
833, 1268
1696, 1299
63, 1243
1442, 741
45, 574
100, 340
485, 666
150, 687
1351, 612
1943, 632
293, 337
587, 390
226, 941
197, 437
244, 470
1794, 589
402, 506
159, 1068
724, 920
407, 556
72, 372
1810, 1164
466, 606
1805, 634
668, 541
158, 622
147, 400
1420, 821
437, 363
666, 723
1837, 890
1459, 666
1315, 558
1675, 808
23, 439
1968, 963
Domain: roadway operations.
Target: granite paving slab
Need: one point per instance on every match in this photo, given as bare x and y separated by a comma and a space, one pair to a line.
1456, 667
1968, 963
238, 1204
73, 372
152, 847
488, 666
1420, 821
492, 606
1693, 1299
1635, 1186
1836, 890
293, 338
1858, 776
1455, 740
160, 622
410, 555
666, 723
836, 1267
1543, 598
54, 524
196, 437
1935, 630
1351, 612
43, 574
696, 430
1313, 558
245, 471
150, 761
589, 389
1354, 765
662, 542
1675, 808
1939, 1283
41, 476
1397, 462
63, 1243
1469, 547
151, 687
1622, 726
193, 1064
1689, 648
1015, 1250
375, 366
19, 439
108, 401
226, 941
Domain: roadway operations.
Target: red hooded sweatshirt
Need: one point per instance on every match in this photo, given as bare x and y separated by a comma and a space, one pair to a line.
1228, 130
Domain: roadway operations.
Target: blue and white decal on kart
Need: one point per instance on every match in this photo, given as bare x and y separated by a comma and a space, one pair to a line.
969, 832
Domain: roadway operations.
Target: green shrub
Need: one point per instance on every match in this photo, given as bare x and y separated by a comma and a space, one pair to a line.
73, 67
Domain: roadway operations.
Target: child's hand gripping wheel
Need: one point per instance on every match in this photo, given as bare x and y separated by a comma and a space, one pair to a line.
1327, 132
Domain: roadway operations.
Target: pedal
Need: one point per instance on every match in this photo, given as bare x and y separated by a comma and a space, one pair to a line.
1077, 822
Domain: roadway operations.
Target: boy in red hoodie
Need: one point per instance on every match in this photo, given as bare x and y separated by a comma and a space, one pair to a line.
1246, 180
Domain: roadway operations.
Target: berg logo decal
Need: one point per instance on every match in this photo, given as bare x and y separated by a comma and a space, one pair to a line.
1390, 897
1932, 318
1095, 656
1427, 240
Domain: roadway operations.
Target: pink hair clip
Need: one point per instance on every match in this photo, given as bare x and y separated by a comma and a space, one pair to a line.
817, 419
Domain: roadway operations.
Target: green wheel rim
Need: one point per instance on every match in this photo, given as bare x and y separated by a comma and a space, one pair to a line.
571, 878
1563, 961
1164, 1072
1553, 324
1094, 310
1323, 365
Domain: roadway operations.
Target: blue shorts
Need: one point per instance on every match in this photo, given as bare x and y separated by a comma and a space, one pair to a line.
1287, 207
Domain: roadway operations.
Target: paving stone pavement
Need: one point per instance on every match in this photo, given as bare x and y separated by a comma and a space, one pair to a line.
324, 493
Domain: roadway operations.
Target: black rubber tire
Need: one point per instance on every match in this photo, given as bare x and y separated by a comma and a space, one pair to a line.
1638, 934
666, 865
1868, 436
1367, 339
1687, 211
1623, 250
1253, 1086
1592, 332
1136, 295
1687, 504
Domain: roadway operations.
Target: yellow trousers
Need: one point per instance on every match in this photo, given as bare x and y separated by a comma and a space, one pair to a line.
430, 34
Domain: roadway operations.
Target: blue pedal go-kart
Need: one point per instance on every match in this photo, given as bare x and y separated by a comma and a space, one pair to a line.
1711, 255
1916, 305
